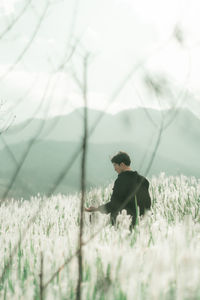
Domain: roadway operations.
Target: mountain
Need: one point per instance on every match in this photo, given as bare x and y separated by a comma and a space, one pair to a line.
135, 131
180, 140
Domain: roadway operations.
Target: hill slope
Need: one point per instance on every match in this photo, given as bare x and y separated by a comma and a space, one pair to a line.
135, 131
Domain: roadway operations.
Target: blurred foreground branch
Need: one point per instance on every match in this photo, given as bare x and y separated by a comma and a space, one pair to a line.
69, 164
83, 178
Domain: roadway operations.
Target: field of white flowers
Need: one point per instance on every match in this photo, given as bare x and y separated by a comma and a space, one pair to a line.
159, 259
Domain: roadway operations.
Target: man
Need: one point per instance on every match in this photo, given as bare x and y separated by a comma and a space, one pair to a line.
130, 191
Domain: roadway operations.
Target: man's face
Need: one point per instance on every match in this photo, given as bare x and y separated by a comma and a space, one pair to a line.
118, 168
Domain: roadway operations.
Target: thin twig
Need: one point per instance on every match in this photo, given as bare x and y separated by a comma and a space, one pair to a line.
25, 155
41, 277
103, 226
68, 166
28, 45
83, 179
11, 25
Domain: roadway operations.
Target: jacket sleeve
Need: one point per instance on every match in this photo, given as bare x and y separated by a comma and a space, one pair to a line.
115, 201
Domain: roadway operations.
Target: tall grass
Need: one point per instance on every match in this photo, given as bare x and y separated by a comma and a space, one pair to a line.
159, 259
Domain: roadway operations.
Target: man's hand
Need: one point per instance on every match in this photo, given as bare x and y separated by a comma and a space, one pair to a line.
91, 209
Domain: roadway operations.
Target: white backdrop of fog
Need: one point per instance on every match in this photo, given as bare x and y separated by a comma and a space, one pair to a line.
118, 34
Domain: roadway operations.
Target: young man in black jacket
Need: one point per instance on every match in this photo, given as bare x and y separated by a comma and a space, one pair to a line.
130, 191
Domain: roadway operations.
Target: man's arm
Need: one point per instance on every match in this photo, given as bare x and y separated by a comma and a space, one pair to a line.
116, 198
91, 209
110, 206
105, 208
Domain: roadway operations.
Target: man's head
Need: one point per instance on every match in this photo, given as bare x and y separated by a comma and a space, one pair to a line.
121, 162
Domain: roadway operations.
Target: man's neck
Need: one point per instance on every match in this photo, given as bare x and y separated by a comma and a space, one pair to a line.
127, 169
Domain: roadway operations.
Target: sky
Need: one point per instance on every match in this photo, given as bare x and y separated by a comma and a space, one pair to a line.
129, 44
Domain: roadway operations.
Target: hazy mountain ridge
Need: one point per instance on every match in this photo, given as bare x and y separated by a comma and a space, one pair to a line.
182, 133
131, 131
47, 159
60, 128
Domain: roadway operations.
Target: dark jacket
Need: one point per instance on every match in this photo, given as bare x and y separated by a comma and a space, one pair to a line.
129, 189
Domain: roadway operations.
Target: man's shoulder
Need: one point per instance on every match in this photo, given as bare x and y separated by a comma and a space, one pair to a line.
141, 177
127, 174
143, 180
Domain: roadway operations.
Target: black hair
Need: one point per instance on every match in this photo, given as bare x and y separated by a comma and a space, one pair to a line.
121, 157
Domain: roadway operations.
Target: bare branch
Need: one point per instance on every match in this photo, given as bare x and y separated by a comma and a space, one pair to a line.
15, 174
68, 166
11, 25
24, 185
28, 45
41, 277
78, 252
24, 97
145, 110
155, 148
83, 178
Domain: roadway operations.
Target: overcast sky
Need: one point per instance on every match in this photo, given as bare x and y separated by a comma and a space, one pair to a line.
158, 39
